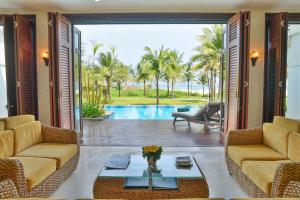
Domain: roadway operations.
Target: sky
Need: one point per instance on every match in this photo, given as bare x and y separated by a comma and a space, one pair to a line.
130, 40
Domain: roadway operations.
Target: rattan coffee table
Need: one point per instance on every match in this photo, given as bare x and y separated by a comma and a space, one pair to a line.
109, 184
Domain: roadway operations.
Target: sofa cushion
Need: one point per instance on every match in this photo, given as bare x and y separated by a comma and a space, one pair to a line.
6, 143
36, 169
276, 137
240, 153
11, 122
27, 135
290, 124
262, 172
62, 153
294, 147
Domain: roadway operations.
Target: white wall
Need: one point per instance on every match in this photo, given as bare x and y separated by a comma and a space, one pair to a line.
293, 73
3, 92
42, 70
256, 73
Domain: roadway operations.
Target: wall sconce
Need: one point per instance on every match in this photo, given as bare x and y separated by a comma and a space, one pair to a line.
254, 57
46, 58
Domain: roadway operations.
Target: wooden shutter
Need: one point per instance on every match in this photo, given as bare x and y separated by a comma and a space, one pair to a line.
26, 77
237, 71
275, 77
61, 70
9, 41
21, 71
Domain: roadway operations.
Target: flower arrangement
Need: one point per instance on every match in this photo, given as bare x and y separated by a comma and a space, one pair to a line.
152, 151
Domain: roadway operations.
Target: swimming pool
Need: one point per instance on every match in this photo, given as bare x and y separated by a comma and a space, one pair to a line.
145, 112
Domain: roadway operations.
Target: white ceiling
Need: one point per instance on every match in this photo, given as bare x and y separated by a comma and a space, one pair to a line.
91, 5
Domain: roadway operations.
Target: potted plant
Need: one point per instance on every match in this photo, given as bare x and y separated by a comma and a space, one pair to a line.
152, 153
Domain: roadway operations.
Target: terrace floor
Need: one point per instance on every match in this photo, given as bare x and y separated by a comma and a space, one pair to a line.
136, 133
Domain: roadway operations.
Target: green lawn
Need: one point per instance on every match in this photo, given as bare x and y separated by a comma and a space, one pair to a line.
135, 96
151, 93
152, 101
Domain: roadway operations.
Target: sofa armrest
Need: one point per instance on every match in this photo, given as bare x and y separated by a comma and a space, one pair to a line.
59, 135
292, 190
8, 189
244, 137
13, 170
285, 174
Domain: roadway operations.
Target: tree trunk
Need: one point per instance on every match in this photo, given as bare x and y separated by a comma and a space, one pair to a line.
157, 90
88, 89
144, 87
215, 77
203, 90
211, 85
168, 87
108, 88
209, 94
172, 88
188, 84
119, 88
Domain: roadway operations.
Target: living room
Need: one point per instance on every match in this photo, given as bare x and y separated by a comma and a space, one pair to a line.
41, 153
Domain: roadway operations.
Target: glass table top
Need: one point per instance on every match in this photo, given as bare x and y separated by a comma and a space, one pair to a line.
167, 164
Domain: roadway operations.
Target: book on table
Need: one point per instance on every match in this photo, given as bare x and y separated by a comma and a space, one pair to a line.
118, 161
183, 161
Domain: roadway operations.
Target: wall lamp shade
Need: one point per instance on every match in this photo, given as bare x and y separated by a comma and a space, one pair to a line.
46, 58
254, 57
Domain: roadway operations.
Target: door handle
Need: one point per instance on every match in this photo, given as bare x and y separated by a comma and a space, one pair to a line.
246, 84
280, 84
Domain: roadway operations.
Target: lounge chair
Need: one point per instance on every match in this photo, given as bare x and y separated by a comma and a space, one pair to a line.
208, 115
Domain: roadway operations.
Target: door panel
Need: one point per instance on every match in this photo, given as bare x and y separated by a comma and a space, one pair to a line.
61, 88
21, 71
9, 40
274, 98
26, 79
237, 71
77, 79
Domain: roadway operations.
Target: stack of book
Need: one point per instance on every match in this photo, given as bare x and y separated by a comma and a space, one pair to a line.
184, 161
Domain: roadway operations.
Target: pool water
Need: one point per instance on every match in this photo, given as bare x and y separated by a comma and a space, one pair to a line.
147, 112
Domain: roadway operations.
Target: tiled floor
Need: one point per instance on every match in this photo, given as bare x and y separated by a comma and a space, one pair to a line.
143, 132
92, 159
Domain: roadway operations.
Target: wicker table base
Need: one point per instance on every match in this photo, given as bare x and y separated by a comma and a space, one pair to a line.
113, 188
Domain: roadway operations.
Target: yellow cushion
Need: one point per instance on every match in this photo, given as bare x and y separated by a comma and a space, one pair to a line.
294, 147
27, 135
2, 125
290, 124
262, 172
60, 152
36, 169
11, 122
276, 137
6, 143
240, 153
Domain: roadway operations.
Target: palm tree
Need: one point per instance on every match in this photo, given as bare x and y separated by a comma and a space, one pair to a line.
121, 75
108, 61
144, 73
91, 69
176, 66
203, 80
157, 60
188, 75
209, 53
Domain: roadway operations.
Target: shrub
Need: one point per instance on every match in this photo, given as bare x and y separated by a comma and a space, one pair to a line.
92, 111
